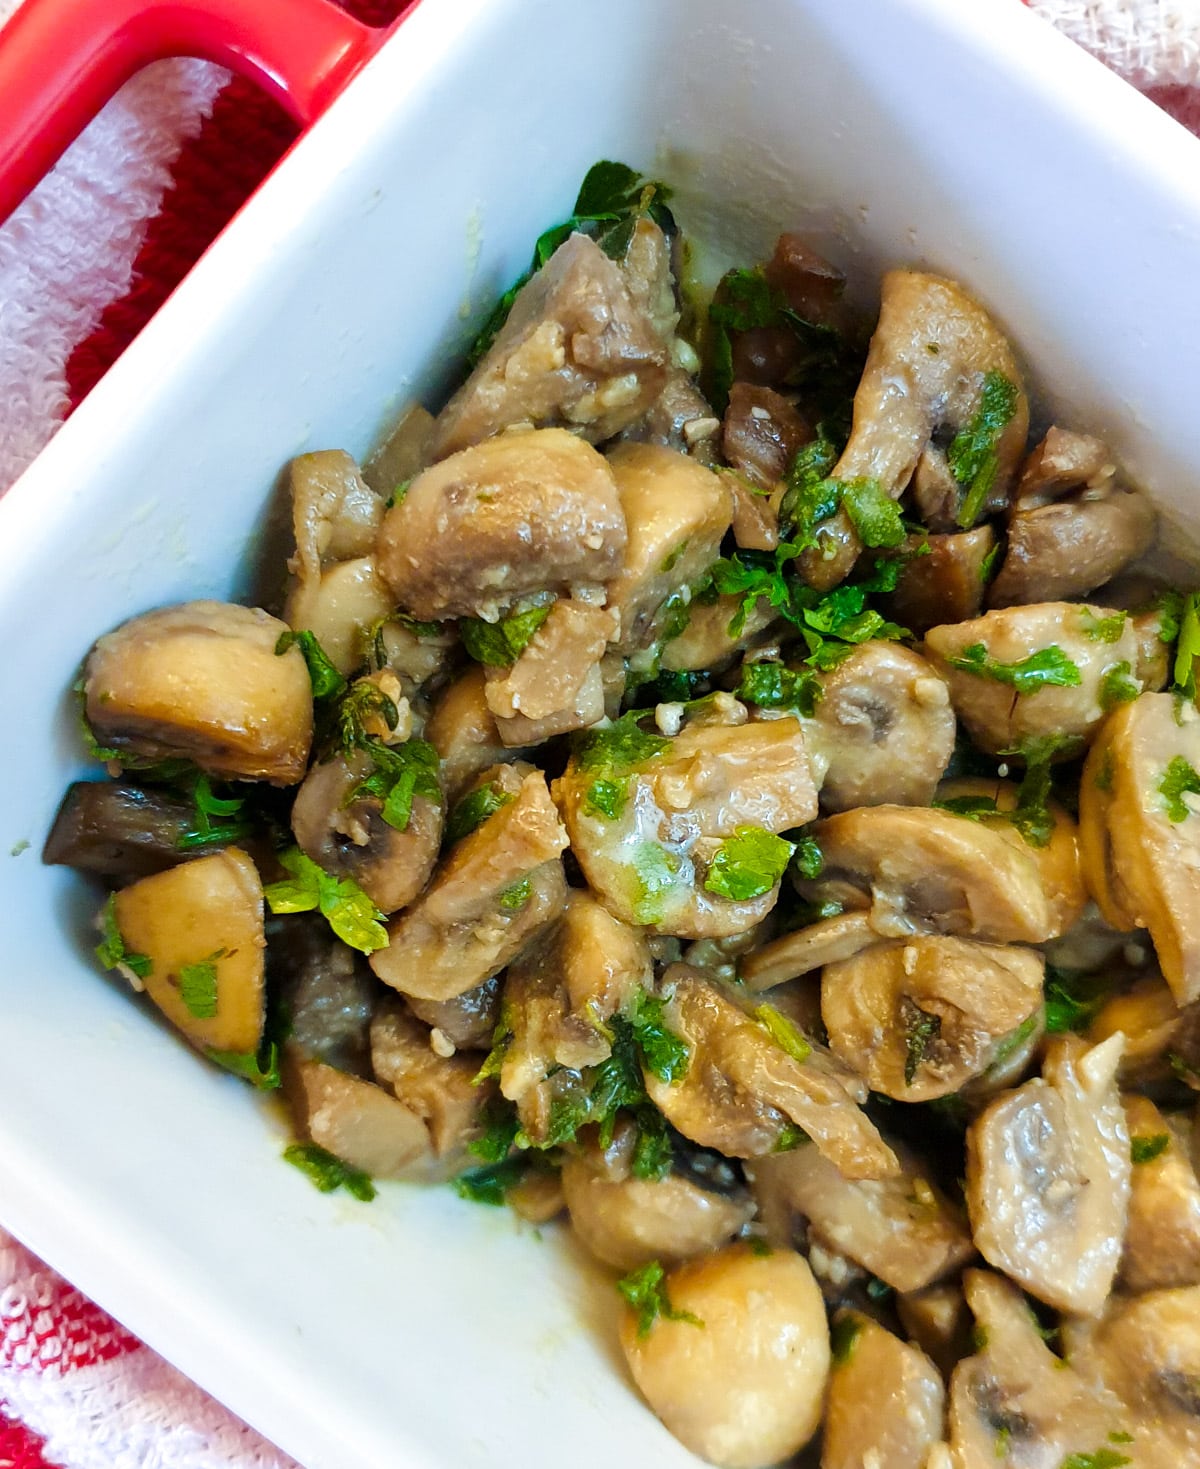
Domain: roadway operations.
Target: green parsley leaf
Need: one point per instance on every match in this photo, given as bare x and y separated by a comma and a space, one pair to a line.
261, 1069
198, 986
1009, 1044
652, 1152
347, 909
743, 302
1188, 647
498, 1123
1101, 1459
474, 809
809, 859
1145, 1149
655, 871
843, 1334
810, 496
204, 831
606, 798
879, 1290
972, 455
1103, 779
790, 1137
502, 1037
988, 565
1118, 686
974, 808
327, 682
872, 511
663, 1052
329, 1172
500, 644
920, 1027
515, 897
1048, 667
646, 1291
770, 684
363, 701
1073, 999
398, 494
619, 749
1179, 780
783, 1032
111, 950
747, 864
401, 773
490, 1185
1102, 629
1120, 1437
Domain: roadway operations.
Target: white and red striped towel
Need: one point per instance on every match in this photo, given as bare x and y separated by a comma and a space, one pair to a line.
75, 1388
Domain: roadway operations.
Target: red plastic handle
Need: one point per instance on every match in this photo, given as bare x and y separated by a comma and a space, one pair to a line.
61, 61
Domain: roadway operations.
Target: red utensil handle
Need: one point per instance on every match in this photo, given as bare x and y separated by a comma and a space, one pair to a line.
61, 60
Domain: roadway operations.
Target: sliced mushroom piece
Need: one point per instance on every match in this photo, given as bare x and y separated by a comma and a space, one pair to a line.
932, 353
340, 606
883, 730
742, 1087
1064, 461
463, 730
575, 352
920, 870
467, 1021
885, 1399
676, 512
1056, 855
938, 1321
555, 684
945, 583
335, 514
1070, 548
604, 964
627, 1221
524, 513
807, 949
1162, 1239
202, 681
356, 1120
1048, 1177
706, 643
648, 844
755, 517
347, 834
741, 1388
920, 1018
493, 893
1140, 830
1076, 668
119, 831
761, 434
901, 1228
403, 453
439, 1089
1014, 1401
198, 929
1156, 1030
326, 991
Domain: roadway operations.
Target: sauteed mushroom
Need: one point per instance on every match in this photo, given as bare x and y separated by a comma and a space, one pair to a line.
944, 581
1162, 1239
885, 1399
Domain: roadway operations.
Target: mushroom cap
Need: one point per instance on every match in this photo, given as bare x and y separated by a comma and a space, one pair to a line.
885, 1399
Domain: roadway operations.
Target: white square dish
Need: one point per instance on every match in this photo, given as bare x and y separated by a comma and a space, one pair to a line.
422, 1331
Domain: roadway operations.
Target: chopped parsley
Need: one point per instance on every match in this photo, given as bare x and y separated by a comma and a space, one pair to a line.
1073, 999
362, 702
1118, 686
988, 565
843, 1334
261, 1069
500, 644
490, 1184
502, 1037
1186, 650
809, 860
972, 455
347, 909
920, 1028
1103, 779
204, 831
771, 684
810, 495
474, 809
619, 749
645, 1290
663, 1052
328, 1172
514, 898
654, 872
198, 986
743, 302
872, 512
498, 1127
748, 864
401, 773
111, 950
1101, 1459
1102, 629
327, 682
1048, 667
606, 798
1179, 780
783, 1032
1146, 1149
1009, 1044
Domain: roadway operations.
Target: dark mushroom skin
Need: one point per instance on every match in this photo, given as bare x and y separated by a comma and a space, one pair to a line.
119, 831
203, 682
468, 1021
945, 584
326, 991
761, 434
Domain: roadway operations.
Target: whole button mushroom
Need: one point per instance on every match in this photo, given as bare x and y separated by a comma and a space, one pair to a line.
736, 1366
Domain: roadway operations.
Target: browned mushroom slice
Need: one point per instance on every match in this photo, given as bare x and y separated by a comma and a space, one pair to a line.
356, 1120
326, 991
654, 841
1069, 549
439, 1089
1021, 673
1048, 1177
467, 1021
555, 684
1056, 855
403, 453
743, 1086
807, 949
576, 352
1162, 1240
119, 831
884, 1402
1062, 462
496, 890
761, 434
883, 731
936, 359
335, 515
339, 606
921, 1018
462, 729
627, 1221
1157, 1032
203, 681
1141, 831
676, 512
945, 584
706, 643
901, 1228
347, 834
938, 1321
927, 871
524, 513
1014, 1401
